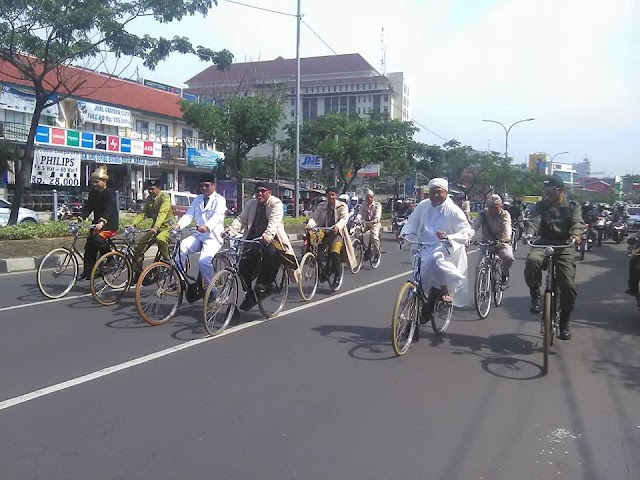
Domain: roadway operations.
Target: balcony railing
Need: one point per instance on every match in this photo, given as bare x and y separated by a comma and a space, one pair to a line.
17, 132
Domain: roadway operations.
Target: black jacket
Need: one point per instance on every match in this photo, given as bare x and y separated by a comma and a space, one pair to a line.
104, 207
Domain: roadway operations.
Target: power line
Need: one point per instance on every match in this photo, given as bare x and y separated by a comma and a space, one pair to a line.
262, 8
397, 107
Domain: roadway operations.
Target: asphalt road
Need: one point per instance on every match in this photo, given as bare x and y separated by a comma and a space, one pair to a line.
89, 392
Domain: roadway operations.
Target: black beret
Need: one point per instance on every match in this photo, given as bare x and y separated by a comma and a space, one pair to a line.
154, 183
332, 189
260, 185
207, 177
553, 181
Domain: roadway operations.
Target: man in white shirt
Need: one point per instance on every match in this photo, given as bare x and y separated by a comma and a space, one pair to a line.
207, 211
444, 266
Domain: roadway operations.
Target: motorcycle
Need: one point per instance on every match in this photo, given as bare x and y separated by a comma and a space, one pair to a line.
633, 249
64, 212
397, 223
618, 231
586, 243
516, 234
600, 228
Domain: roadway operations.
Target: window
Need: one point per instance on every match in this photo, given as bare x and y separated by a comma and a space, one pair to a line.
309, 109
386, 110
293, 90
187, 133
162, 133
358, 110
340, 89
386, 98
357, 86
15, 117
335, 89
352, 104
142, 128
293, 100
293, 113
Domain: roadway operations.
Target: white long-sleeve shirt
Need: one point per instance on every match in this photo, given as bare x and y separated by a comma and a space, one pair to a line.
211, 215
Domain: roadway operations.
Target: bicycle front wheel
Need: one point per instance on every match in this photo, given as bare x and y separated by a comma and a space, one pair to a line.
442, 313
336, 277
358, 253
158, 293
220, 301
308, 276
405, 318
272, 301
496, 283
546, 331
583, 248
110, 278
57, 272
482, 290
374, 260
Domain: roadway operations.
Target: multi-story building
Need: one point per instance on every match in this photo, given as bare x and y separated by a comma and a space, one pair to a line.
136, 130
344, 84
583, 169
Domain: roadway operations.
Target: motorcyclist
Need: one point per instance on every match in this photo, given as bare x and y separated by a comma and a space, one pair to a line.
634, 268
517, 215
407, 208
589, 218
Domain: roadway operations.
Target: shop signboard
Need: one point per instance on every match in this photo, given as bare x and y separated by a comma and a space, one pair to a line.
104, 114
55, 167
200, 158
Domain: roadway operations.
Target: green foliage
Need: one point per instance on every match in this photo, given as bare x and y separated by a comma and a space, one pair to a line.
236, 127
40, 38
348, 143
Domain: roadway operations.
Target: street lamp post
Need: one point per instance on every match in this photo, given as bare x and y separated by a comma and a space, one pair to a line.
506, 132
551, 161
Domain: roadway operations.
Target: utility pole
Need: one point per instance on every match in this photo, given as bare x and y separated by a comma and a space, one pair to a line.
296, 158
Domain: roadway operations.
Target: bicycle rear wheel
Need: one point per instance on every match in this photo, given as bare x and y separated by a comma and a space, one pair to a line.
308, 283
374, 260
583, 248
442, 313
158, 293
272, 302
358, 252
546, 331
220, 302
405, 318
482, 290
110, 278
57, 273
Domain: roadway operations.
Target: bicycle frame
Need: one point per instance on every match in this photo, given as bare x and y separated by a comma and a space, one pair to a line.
314, 247
234, 254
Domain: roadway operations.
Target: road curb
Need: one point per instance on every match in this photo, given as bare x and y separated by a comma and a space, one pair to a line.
25, 264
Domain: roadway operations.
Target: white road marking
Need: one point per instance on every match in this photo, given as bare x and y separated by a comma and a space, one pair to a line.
43, 302
11, 402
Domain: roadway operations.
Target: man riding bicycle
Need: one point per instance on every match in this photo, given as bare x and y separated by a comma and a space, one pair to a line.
207, 210
371, 213
157, 207
334, 214
555, 221
495, 225
262, 218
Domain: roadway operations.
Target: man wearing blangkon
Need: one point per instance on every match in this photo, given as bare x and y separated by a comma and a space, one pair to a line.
554, 221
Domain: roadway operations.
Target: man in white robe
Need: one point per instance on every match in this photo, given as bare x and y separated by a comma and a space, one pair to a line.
444, 266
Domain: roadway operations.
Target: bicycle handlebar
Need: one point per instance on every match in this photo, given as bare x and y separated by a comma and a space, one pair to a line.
444, 241
490, 243
536, 245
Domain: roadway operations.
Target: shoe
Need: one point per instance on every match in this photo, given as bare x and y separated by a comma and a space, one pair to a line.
416, 334
248, 303
135, 278
565, 333
535, 305
148, 280
262, 291
629, 291
81, 277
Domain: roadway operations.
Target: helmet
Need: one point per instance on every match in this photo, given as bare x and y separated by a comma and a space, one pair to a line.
354, 198
585, 203
506, 204
344, 197
399, 201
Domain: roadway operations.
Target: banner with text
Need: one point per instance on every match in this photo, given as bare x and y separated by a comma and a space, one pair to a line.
310, 162
104, 114
52, 167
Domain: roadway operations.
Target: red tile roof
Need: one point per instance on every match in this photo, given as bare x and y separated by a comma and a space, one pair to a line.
103, 89
281, 67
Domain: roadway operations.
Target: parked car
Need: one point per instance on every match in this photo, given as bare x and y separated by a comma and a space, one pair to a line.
633, 222
180, 201
25, 215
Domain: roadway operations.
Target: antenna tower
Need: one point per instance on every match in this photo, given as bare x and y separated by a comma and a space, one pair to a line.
383, 53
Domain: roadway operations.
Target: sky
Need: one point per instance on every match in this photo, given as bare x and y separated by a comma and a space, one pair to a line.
573, 65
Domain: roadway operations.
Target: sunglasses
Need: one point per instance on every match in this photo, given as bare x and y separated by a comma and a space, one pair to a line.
206, 185
261, 191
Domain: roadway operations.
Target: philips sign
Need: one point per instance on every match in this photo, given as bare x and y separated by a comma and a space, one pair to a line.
310, 162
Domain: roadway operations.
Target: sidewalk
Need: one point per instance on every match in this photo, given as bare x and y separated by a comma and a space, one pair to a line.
25, 264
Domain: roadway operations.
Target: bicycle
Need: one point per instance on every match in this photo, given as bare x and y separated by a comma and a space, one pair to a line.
112, 274
317, 260
397, 223
413, 307
58, 270
362, 253
221, 296
167, 281
550, 322
489, 283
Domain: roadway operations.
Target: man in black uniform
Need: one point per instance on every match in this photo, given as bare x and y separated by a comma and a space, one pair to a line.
555, 221
102, 202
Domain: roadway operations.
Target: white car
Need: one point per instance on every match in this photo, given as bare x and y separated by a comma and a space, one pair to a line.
633, 222
24, 214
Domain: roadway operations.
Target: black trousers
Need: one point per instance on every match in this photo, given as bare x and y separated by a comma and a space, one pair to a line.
634, 273
565, 275
95, 244
259, 261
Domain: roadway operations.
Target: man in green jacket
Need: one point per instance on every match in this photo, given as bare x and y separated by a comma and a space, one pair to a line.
158, 208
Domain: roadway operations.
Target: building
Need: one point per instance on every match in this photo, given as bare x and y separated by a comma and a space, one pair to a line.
563, 170
583, 169
136, 130
344, 84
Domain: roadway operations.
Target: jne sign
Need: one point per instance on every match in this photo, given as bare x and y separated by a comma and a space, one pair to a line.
51, 167
310, 162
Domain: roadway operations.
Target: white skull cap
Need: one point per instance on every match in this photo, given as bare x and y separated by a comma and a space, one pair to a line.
438, 183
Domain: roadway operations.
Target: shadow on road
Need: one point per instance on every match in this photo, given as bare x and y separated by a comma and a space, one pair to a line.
367, 343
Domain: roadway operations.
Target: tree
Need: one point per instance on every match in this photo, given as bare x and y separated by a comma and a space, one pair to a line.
236, 127
40, 40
